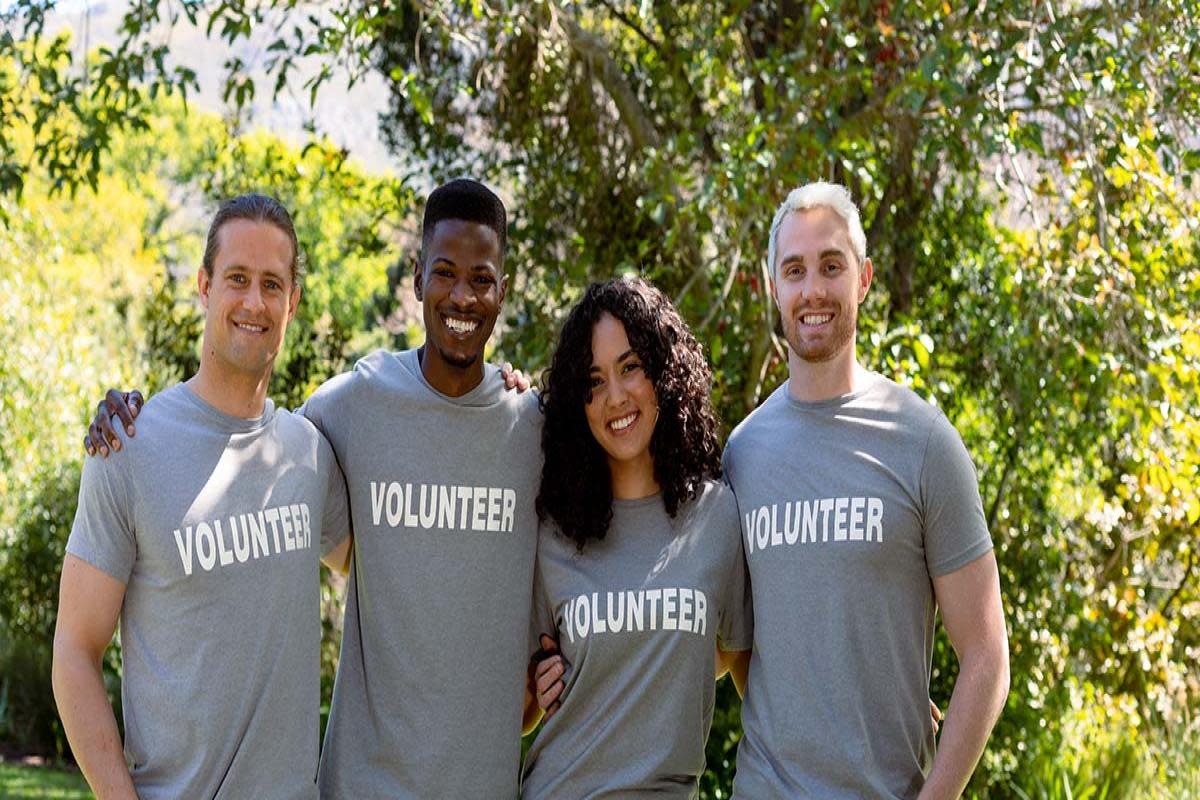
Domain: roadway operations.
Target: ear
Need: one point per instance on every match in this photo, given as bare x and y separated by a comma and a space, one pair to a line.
418, 279
865, 274
203, 285
503, 287
293, 302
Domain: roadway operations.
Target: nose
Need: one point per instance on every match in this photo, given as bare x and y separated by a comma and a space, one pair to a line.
616, 393
253, 298
812, 287
461, 294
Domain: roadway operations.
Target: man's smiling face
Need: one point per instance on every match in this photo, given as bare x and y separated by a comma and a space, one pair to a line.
820, 285
461, 286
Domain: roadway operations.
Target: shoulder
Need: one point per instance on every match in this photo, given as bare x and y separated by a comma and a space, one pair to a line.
299, 434
365, 370
902, 401
760, 418
714, 503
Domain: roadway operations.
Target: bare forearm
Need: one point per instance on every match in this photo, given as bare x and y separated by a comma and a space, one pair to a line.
979, 695
90, 726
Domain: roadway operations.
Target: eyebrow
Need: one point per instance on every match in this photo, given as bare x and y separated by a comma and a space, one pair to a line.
486, 265
824, 254
623, 357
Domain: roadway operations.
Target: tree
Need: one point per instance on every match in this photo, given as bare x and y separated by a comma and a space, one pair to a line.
1026, 177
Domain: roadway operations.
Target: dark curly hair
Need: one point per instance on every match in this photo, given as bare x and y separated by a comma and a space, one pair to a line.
576, 489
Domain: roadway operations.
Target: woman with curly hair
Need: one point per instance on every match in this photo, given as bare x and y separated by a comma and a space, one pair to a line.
640, 571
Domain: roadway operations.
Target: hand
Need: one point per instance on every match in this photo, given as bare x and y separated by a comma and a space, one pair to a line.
514, 378
548, 675
936, 714
101, 435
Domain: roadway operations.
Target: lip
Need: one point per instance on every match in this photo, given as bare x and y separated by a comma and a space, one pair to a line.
829, 315
633, 416
460, 318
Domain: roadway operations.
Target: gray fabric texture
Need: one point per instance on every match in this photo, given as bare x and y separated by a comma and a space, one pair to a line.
638, 616
428, 695
848, 508
216, 524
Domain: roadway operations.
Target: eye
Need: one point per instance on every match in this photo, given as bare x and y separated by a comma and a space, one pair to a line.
832, 266
237, 278
272, 285
594, 382
484, 280
631, 366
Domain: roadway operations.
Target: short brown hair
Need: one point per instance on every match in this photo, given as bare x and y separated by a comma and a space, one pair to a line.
255, 208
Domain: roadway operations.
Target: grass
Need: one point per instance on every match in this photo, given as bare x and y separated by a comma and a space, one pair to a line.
19, 782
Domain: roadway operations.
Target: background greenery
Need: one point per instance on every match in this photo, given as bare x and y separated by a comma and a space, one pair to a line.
1026, 173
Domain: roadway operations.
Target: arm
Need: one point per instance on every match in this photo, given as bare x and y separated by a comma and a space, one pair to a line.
969, 600
88, 606
737, 664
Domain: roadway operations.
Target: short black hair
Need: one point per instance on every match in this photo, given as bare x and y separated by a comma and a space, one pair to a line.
466, 200
255, 208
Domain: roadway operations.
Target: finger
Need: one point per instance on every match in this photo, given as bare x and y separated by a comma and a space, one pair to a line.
135, 401
522, 381
550, 711
98, 442
104, 422
548, 644
551, 695
547, 676
544, 667
87, 444
117, 405
935, 711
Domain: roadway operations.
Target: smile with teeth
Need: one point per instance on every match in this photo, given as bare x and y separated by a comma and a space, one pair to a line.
460, 325
624, 422
815, 319
250, 327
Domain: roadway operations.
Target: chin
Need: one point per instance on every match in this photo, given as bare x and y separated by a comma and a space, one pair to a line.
460, 360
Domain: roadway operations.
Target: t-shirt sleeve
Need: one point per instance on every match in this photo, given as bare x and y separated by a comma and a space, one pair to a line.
955, 530
335, 522
326, 408
103, 532
736, 629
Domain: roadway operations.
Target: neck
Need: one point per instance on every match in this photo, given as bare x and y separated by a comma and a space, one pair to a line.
633, 480
814, 381
448, 379
230, 391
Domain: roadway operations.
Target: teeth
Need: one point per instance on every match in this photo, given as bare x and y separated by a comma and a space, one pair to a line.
459, 325
623, 423
816, 319
252, 328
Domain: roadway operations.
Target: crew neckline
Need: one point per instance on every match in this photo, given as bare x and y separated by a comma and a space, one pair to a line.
228, 422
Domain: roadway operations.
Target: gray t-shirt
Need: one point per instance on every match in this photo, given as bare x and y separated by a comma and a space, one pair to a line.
849, 507
638, 616
214, 525
428, 695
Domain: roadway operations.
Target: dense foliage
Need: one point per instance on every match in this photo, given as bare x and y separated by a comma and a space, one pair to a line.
1026, 172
